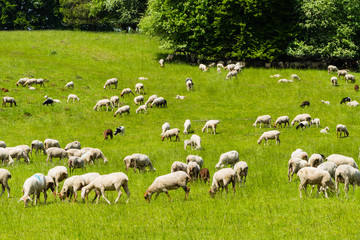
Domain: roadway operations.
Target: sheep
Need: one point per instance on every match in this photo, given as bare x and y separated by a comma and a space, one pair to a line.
30, 82
189, 84
139, 87
193, 170
329, 167
178, 166
228, 158
195, 142
17, 152
2, 144
294, 165
48, 101
72, 152
315, 122
160, 101
34, 185
295, 77
353, 104
161, 62
275, 76
55, 152
31, 88
316, 159
73, 97
265, 119
4, 177
204, 175
5, 157
332, 68
180, 97
220, 65
115, 101
347, 175
241, 168
171, 133
301, 117
195, 158
48, 143
138, 161
72, 185
187, 126
325, 102
349, 78
285, 81
21, 81
73, 145
187, 143
222, 179
342, 73
315, 176
325, 130
40, 82
10, 100
165, 127
139, 100
25, 148
345, 99
93, 154
341, 128
75, 162
70, 85
230, 67
210, 124
58, 174
38, 146
120, 130
299, 153
281, 120
111, 81
305, 103
123, 109
4, 89
151, 99
342, 160
231, 74
141, 108
274, 134
109, 182
356, 87
168, 182
203, 67
334, 81
143, 79
126, 91
108, 132
103, 102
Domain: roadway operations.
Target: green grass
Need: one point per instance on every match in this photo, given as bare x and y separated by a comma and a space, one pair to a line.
267, 208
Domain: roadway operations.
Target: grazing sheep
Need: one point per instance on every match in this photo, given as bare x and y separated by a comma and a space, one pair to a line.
2, 144
241, 168
75, 162
195, 158
285, 81
204, 175
165, 127
210, 124
70, 85
151, 99
345, 99
274, 134
295, 77
325, 102
159, 102
108, 132
315, 176
347, 175
340, 128
138, 161
281, 120
109, 182
34, 185
315, 121
305, 103
139, 100
231, 74
171, 133
316, 159
55, 152
48, 143
294, 165
342, 160
187, 126
120, 130
301, 117
103, 102
58, 174
40, 82
342, 73
332, 68
265, 119
334, 81
193, 170
178, 166
18, 153
126, 91
203, 67
187, 143
30, 82
139, 87
72, 185
73, 145
356, 87
10, 100
25, 148
189, 84
325, 130
275, 76
161, 62
228, 158
111, 81
141, 108
123, 109
21, 81
4, 177
72, 152
38, 146
93, 154
222, 179
115, 101
353, 104
195, 142
168, 182
299, 153
143, 79
73, 97
349, 78
180, 97
330, 167
5, 157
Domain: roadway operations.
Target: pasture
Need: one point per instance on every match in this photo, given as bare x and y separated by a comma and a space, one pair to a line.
268, 207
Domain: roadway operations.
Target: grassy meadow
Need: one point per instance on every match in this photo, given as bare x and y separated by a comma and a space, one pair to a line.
268, 207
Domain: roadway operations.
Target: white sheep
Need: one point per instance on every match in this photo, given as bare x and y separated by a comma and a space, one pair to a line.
111, 81
58, 174
347, 175
171, 133
26, 149
123, 109
31, 88
165, 127
38, 146
30, 82
151, 99
55, 152
334, 81
40, 82
48, 143
315, 121
340, 128
316, 159
2, 144
70, 85
109, 182
139, 87
75, 162
294, 165
21, 81
195, 158
295, 77
18, 153
178, 166
301, 117
143, 79
193, 170
115, 101
5, 157
167, 182
195, 142
10, 100
325, 130
342, 160
187, 143
93, 154
349, 78
139, 100
203, 67
330, 167
275, 76
325, 102
73, 145
187, 126
274, 134
4, 177
161, 62
34, 185
103, 102
299, 153
160, 101
180, 97
138, 161
241, 168
228, 158
126, 91
73, 97
285, 81
281, 120
222, 179
231, 74
72, 185
189, 84
353, 104
332, 68
72, 152
210, 124
315, 176
265, 119
141, 108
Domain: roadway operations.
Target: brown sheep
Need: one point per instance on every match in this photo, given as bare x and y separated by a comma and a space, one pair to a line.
108, 132
356, 87
205, 175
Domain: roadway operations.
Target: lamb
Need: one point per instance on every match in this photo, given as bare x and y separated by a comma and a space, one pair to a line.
301, 117
151, 99
143, 79
281, 120
17, 152
345, 99
195, 158
115, 101
315, 176
222, 179
55, 152
305, 103
120, 130
2, 144
178, 166
299, 153
210, 124
315, 121
111, 81
241, 168
295, 77
31, 88
48, 101
325, 102
10, 100
228, 158
103, 102
75, 162
330, 167
341, 128
189, 84
126, 91
72, 185
193, 170
187, 126
342, 160
139, 100
70, 85
353, 104
4, 177
161, 62
205, 175
203, 67
332, 68
73, 145
123, 109
139, 87
180, 97
356, 87
274, 134
325, 130
334, 81
347, 175
34, 185
316, 159
195, 142
5, 157
107, 133
265, 119
342, 73
40, 82
21, 81
160, 101
141, 108
285, 81
58, 174
294, 165
275, 76
109, 182
171, 133
165, 127
349, 78
73, 97
187, 143
231, 74
138, 161
51, 143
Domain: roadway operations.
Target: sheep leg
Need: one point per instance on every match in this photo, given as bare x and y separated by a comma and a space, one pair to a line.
157, 194
3, 189
346, 187
119, 195
187, 190
126, 189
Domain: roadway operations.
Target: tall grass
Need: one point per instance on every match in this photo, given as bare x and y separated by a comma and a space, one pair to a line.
267, 208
